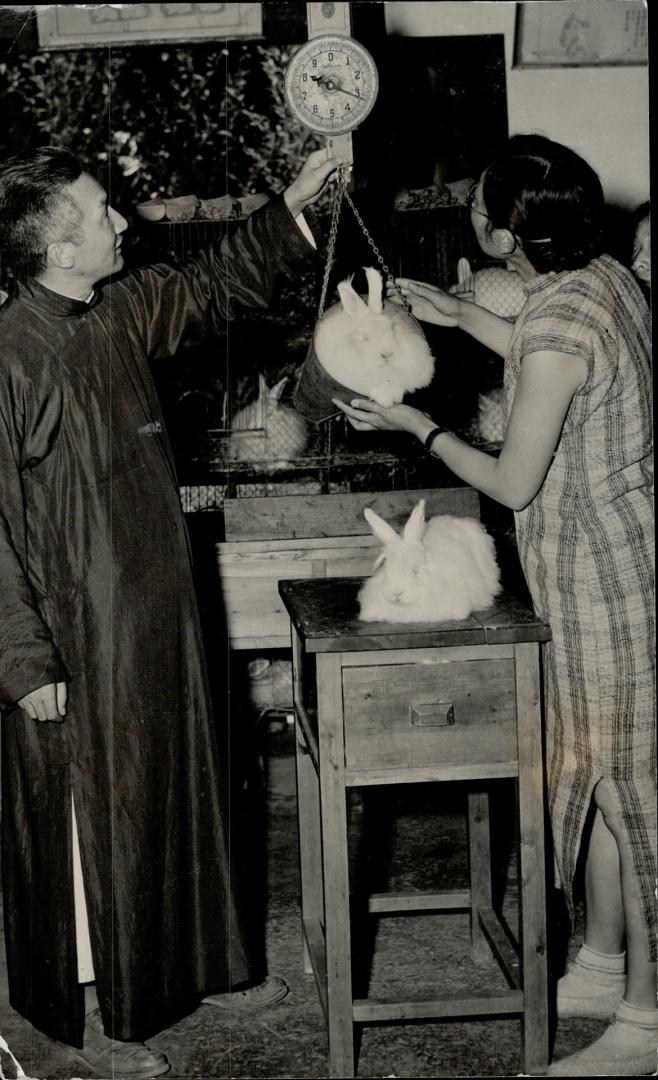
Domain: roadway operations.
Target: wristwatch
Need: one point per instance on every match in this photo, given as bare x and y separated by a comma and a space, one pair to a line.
429, 439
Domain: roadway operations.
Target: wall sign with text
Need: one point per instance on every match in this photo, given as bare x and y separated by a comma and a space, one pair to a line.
65, 26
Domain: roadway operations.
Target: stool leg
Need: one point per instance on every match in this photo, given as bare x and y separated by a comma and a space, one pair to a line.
335, 866
308, 819
479, 850
308, 822
532, 877
310, 842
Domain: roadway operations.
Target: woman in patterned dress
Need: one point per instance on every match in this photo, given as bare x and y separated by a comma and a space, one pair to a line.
575, 467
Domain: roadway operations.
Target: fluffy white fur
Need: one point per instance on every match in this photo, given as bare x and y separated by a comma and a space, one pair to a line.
435, 571
376, 349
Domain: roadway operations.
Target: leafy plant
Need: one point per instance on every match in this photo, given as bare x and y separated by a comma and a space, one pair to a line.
208, 119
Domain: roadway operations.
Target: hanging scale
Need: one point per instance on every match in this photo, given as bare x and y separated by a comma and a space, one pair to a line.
331, 86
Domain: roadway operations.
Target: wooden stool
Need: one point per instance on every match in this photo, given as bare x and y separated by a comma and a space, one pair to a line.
383, 703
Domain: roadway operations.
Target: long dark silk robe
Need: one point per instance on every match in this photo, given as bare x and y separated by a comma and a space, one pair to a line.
96, 590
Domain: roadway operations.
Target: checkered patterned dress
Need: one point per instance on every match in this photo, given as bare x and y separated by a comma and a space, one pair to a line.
586, 543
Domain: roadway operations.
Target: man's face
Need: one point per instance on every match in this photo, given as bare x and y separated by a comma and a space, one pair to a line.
99, 252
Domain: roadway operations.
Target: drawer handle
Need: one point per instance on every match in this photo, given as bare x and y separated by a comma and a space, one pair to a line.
432, 714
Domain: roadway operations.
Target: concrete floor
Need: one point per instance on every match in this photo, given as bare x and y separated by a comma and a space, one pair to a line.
415, 840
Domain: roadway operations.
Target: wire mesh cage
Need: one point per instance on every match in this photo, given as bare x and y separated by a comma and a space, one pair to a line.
229, 403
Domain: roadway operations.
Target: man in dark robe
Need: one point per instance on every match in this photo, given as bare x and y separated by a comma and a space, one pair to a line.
99, 627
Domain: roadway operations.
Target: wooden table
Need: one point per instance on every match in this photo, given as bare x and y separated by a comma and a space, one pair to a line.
384, 703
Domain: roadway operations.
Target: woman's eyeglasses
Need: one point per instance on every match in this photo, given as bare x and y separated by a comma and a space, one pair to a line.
470, 200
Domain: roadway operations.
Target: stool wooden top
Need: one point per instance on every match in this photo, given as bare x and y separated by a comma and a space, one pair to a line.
324, 611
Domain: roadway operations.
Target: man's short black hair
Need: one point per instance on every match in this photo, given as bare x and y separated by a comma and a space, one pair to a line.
35, 210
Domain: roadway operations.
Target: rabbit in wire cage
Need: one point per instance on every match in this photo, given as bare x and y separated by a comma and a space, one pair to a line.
268, 430
435, 571
270, 684
501, 291
376, 348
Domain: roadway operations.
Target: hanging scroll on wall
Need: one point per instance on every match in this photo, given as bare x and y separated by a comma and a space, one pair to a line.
64, 26
582, 34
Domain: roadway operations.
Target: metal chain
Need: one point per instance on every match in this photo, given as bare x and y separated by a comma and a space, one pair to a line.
341, 193
377, 252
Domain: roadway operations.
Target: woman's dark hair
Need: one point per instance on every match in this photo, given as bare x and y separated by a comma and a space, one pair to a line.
549, 198
35, 210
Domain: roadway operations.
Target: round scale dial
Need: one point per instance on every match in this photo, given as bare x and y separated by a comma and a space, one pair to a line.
331, 84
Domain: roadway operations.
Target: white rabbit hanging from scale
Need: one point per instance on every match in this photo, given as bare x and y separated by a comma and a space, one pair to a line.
376, 348
436, 571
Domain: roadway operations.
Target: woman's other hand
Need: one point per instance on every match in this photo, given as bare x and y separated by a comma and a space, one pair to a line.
433, 305
428, 303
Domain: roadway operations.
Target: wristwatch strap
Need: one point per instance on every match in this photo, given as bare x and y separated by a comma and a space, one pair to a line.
427, 442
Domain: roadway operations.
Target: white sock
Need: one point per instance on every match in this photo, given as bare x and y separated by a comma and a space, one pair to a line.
635, 1014
611, 963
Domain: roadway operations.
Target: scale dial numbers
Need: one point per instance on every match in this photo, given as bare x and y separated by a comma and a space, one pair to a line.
331, 84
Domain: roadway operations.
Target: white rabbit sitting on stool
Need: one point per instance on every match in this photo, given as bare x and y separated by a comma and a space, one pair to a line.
376, 349
435, 571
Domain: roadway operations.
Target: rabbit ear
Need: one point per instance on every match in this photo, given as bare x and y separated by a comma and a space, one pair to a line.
350, 299
262, 386
274, 393
382, 530
375, 288
415, 526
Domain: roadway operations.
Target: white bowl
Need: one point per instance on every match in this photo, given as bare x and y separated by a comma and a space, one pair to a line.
151, 211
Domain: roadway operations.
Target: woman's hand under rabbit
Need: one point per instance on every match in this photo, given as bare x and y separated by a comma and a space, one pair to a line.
428, 303
366, 415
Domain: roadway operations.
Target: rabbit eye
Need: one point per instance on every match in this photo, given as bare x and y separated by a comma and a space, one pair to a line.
416, 571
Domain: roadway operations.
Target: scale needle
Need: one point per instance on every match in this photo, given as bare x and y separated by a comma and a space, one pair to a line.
333, 86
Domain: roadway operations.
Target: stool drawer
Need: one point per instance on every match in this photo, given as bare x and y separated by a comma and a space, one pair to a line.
406, 715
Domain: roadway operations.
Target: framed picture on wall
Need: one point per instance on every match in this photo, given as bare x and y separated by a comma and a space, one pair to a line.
591, 33
64, 26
